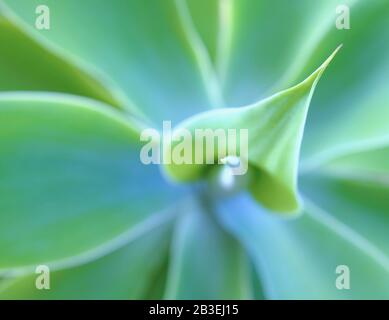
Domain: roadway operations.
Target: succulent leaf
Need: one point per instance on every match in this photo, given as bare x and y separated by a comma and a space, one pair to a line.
133, 279
206, 261
71, 179
275, 127
75, 196
26, 64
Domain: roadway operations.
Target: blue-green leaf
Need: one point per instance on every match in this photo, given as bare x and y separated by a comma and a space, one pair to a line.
206, 262
350, 109
71, 179
275, 126
140, 45
298, 258
27, 65
128, 273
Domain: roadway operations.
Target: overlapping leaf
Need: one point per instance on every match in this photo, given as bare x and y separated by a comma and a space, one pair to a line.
128, 273
67, 164
206, 262
298, 258
71, 179
350, 110
275, 127
148, 55
26, 64
259, 41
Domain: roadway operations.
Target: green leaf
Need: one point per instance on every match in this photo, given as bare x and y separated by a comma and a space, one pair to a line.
350, 110
206, 20
256, 285
206, 262
297, 258
26, 65
355, 187
261, 40
72, 187
148, 55
369, 163
275, 126
128, 273
71, 179
355, 200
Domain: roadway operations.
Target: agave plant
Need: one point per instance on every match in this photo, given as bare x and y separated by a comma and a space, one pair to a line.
75, 197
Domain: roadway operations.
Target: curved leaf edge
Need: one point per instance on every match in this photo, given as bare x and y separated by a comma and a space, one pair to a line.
97, 79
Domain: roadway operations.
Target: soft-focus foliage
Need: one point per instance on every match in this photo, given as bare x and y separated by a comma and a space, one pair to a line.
75, 196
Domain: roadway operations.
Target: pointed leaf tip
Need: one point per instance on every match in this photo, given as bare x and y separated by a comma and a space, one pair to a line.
315, 76
275, 127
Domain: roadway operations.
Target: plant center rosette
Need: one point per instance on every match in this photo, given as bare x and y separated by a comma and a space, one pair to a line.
150, 150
